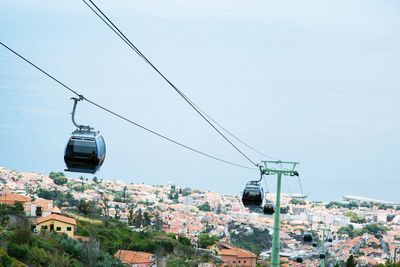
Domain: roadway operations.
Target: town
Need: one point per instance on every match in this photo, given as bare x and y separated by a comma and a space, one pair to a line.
363, 230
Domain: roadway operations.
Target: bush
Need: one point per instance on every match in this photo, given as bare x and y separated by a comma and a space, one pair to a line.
19, 251
38, 256
184, 241
205, 207
5, 260
205, 240
296, 201
21, 236
58, 178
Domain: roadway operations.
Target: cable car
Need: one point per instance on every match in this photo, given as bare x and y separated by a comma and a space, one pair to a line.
307, 237
299, 259
253, 195
268, 208
322, 256
330, 239
315, 244
85, 152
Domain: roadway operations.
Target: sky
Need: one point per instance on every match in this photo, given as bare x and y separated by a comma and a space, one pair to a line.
309, 81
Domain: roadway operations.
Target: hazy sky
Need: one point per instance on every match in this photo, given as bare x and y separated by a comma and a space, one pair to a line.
312, 81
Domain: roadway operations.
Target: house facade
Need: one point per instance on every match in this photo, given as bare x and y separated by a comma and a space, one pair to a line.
234, 256
56, 223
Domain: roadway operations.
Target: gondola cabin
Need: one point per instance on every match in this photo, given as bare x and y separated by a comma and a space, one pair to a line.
299, 259
85, 152
268, 209
253, 195
307, 237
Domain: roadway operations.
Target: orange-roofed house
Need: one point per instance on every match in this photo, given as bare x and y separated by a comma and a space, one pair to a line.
11, 199
234, 256
136, 258
41, 208
57, 223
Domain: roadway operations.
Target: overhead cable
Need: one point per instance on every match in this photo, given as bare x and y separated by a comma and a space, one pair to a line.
121, 116
93, 7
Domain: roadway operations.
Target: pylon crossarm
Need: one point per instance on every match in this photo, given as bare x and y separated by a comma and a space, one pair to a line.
272, 167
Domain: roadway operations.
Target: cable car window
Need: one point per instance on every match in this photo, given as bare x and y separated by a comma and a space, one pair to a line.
82, 148
102, 145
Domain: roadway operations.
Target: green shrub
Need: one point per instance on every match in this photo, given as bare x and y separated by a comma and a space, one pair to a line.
19, 251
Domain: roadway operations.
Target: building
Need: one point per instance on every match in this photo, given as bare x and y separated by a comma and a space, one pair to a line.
57, 223
41, 208
11, 199
136, 258
234, 256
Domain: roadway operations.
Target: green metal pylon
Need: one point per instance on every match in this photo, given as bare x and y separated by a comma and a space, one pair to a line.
276, 245
268, 170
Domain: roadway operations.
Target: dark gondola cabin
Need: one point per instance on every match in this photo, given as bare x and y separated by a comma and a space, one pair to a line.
268, 209
253, 195
299, 259
85, 152
322, 256
307, 237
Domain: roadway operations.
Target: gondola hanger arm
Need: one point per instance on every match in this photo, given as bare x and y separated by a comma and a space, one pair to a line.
79, 126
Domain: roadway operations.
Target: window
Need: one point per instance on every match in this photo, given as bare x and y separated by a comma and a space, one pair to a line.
44, 227
82, 148
244, 261
69, 228
238, 261
58, 228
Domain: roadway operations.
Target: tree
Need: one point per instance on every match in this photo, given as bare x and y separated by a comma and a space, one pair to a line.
354, 218
83, 179
124, 193
4, 218
105, 206
88, 208
184, 241
117, 211
173, 195
296, 201
351, 262
158, 222
18, 208
93, 251
138, 221
205, 240
205, 207
131, 214
58, 178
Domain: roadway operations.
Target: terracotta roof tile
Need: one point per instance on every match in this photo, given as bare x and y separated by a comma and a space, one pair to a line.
56, 217
238, 252
134, 257
13, 198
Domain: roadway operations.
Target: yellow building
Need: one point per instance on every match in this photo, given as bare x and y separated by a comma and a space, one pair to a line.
57, 223
215, 249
